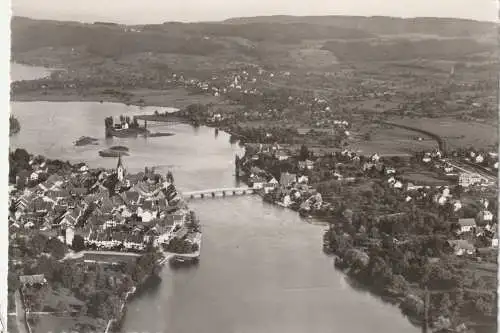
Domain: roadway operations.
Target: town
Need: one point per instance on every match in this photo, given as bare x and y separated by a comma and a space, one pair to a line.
92, 220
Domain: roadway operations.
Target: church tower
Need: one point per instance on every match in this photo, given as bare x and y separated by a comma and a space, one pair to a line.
120, 170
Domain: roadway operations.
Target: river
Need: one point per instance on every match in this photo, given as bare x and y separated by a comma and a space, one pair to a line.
261, 268
19, 72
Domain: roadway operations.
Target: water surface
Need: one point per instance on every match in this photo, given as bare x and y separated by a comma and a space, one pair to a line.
19, 72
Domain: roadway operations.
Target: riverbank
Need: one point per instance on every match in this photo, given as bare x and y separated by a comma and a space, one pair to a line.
174, 97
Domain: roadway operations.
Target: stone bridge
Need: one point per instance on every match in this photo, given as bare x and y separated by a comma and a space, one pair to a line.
218, 192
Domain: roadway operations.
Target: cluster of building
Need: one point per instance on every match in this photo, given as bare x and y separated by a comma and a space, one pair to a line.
293, 190
109, 209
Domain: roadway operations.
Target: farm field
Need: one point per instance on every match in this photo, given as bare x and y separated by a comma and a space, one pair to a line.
455, 132
53, 323
387, 140
109, 257
424, 178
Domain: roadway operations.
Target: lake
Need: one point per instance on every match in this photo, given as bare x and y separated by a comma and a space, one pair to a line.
19, 72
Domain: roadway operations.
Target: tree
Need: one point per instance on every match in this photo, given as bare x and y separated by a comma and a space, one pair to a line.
399, 284
56, 248
38, 243
445, 305
304, 153
12, 280
483, 304
21, 156
170, 177
78, 243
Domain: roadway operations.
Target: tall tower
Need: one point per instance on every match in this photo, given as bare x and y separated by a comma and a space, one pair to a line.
120, 170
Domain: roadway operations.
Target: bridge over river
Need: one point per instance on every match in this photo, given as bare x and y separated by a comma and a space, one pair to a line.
218, 192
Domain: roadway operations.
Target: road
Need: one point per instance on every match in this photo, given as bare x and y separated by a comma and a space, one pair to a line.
20, 314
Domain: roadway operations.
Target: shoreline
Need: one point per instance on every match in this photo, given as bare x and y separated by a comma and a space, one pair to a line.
354, 283
78, 98
403, 300
171, 97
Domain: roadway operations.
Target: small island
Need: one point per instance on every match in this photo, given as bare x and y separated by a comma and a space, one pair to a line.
159, 134
120, 148
86, 140
125, 127
115, 151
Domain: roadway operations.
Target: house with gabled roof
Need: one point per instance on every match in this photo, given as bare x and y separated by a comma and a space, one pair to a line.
282, 155
71, 217
32, 280
466, 224
494, 240
461, 247
484, 216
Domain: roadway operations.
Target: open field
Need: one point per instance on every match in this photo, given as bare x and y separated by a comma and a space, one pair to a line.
52, 323
388, 140
60, 296
456, 133
110, 257
424, 178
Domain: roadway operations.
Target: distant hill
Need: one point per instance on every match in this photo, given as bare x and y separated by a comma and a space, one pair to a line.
449, 27
111, 40
270, 40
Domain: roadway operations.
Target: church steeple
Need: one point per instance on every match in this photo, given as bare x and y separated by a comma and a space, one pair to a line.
120, 170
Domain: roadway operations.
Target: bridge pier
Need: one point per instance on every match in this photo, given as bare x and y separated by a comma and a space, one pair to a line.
223, 193
202, 195
213, 194
234, 192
